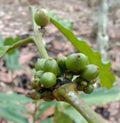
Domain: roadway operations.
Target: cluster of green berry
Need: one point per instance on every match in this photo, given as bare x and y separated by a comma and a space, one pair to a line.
82, 73
45, 78
46, 72
50, 74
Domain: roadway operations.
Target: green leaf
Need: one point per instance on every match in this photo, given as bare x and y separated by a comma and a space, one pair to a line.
44, 106
106, 77
70, 112
48, 120
14, 98
12, 107
102, 96
3, 50
15, 116
12, 61
1, 40
5, 44
10, 41
13, 45
74, 114
67, 24
61, 117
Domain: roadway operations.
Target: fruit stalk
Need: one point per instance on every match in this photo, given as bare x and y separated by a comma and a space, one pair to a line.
38, 41
33, 10
68, 93
37, 37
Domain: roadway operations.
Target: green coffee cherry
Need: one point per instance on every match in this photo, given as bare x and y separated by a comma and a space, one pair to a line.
89, 89
41, 17
61, 62
35, 84
82, 84
51, 66
92, 81
38, 74
40, 64
48, 79
90, 72
76, 62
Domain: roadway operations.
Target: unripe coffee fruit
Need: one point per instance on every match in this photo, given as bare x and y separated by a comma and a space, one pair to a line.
48, 79
51, 66
76, 62
40, 64
89, 89
90, 72
61, 62
38, 74
41, 17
